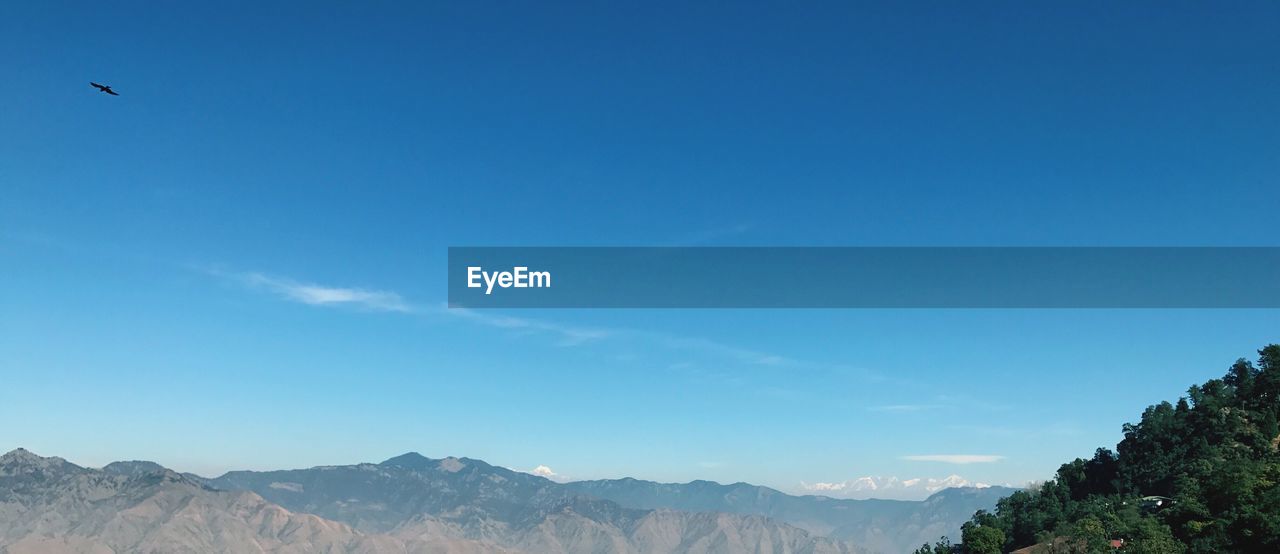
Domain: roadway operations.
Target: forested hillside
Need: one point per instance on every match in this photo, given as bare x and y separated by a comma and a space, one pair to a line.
1198, 475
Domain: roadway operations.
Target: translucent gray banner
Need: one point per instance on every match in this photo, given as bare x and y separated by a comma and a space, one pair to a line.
856, 277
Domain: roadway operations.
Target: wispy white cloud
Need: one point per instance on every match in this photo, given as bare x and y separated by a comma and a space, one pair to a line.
387, 301
569, 335
321, 295
368, 299
954, 458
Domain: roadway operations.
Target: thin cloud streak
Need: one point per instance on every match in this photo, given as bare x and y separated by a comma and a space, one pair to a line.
570, 336
320, 295
566, 335
386, 301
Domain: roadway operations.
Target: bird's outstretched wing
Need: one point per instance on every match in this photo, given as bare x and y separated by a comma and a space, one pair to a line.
104, 88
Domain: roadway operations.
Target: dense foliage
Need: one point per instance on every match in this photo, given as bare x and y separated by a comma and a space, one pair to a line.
1211, 459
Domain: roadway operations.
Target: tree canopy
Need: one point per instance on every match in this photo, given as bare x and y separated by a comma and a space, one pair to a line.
1199, 475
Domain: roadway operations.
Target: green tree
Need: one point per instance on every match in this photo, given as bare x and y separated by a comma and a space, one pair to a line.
1149, 536
943, 546
982, 539
1213, 456
1088, 535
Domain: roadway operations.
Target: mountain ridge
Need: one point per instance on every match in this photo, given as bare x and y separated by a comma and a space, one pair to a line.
440, 506
50, 505
883, 525
480, 501
878, 524
411, 501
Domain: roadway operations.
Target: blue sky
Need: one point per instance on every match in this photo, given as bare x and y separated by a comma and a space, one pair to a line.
239, 262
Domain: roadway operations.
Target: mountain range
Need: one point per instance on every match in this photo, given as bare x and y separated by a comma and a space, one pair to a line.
879, 525
411, 503
889, 488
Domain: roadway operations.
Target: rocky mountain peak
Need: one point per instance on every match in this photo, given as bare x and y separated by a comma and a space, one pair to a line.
410, 460
21, 461
452, 465
132, 468
19, 455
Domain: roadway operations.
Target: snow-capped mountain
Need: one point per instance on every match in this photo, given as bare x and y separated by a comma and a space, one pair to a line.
890, 488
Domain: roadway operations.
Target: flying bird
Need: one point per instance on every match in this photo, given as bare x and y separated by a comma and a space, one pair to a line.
104, 88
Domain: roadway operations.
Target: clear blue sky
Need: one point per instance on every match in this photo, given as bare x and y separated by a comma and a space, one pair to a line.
239, 262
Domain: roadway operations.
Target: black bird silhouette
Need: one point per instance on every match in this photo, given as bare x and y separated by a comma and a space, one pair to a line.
104, 88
